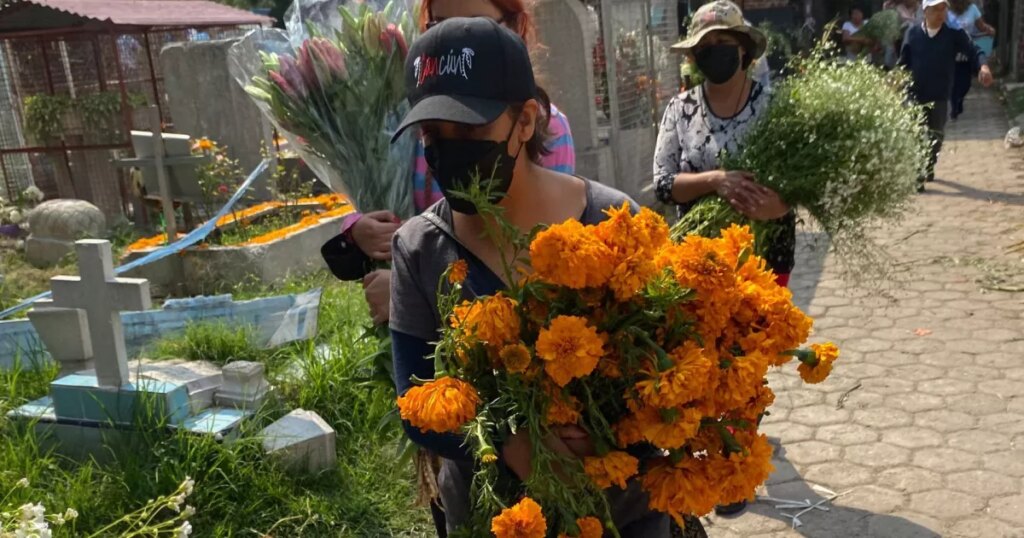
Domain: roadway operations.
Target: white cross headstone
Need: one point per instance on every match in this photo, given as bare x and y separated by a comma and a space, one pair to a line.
102, 296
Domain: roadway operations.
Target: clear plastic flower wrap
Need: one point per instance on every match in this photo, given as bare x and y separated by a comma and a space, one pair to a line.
333, 85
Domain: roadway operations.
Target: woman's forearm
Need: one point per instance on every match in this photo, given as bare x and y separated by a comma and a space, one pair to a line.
687, 186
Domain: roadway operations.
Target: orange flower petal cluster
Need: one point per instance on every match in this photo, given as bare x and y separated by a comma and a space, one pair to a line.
612, 469
628, 235
736, 384
664, 428
441, 406
739, 475
524, 520
685, 382
492, 320
516, 358
570, 348
684, 488
563, 410
569, 255
457, 272
826, 354
590, 527
631, 276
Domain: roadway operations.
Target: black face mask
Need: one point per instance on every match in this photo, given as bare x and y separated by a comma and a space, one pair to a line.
718, 63
455, 164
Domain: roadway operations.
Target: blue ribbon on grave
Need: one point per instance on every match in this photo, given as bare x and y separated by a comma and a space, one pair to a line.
190, 239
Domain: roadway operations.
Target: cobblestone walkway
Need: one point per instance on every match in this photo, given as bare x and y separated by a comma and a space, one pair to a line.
921, 428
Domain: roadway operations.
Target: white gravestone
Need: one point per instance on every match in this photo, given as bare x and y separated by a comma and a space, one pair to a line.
102, 295
245, 386
65, 333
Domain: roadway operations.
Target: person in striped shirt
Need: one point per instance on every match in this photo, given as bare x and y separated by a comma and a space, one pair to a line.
366, 238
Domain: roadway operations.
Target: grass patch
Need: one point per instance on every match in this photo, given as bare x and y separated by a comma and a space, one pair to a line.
1014, 103
239, 492
21, 280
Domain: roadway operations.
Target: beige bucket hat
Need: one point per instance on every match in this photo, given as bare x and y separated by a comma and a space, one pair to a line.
721, 15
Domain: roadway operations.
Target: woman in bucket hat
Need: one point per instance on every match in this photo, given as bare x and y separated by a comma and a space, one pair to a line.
714, 117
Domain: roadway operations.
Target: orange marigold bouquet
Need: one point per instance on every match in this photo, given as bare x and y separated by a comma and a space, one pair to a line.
658, 350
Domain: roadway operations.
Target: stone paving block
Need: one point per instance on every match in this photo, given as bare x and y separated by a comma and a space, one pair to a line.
904, 525
877, 455
915, 402
839, 474
787, 432
1003, 388
980, 441
945, 420
910, 479
945, 505
946, 460
848, 433
808, 452
1008, 509
887, 385
882, 418
1001, 361
873, 499
971, 373
996, 335
947, 360
912, 437
1015, 405
819, 415
983, 484
985, 526
947, 387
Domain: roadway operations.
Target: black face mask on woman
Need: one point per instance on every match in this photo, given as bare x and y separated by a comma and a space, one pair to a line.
718, 63
456, 163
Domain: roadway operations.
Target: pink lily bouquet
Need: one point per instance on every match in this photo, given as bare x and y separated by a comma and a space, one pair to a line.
335, 88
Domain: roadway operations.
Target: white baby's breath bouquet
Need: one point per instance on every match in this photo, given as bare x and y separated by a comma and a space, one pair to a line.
839, 140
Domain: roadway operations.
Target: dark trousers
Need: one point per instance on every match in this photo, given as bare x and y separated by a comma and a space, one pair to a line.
936, 115
962, 78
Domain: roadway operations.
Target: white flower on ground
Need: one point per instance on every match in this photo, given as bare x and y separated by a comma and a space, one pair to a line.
189, 511
185, 530
71, 514
189, 485
23, 483
14, 216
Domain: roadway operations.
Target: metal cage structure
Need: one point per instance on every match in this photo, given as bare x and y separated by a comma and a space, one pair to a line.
635, 76
76, 76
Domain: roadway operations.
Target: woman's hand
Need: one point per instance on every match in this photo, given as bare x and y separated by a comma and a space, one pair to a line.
377, 289
567, 441
373, 232
745, 195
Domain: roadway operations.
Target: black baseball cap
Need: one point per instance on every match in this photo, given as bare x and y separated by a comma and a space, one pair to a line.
466, 70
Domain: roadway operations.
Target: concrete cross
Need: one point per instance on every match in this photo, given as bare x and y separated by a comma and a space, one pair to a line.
102, 296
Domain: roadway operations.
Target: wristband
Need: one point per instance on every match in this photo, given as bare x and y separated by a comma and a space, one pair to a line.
349, 222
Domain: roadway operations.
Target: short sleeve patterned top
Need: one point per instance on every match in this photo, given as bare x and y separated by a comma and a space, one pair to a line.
692, 138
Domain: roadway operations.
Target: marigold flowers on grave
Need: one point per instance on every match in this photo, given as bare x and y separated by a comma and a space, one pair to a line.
457, 272
631, 276
441, 406
570, 255
570, 348
492, 320
515, 358
686, 381
612, 469
825, 355
524, 520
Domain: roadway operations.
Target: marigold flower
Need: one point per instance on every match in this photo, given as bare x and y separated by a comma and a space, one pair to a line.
590, 527
740, 474
684, 488
686, 381
630, 235
524, 520
441, 406
569, 255
664, 428
491, 320
457, 272
825, 354
515, 357
736, 384
563, 410
570, 347
631, 276
614, 468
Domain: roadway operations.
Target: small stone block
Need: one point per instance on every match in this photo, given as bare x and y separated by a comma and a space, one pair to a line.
244, 385
41, 409
80, 397
303, 440
201, 379
215, 420
65, 333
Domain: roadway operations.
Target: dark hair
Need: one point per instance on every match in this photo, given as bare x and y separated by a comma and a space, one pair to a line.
537, 145
748, 45
857, 7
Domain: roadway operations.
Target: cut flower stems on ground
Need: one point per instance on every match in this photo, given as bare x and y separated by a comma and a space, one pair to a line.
841, 141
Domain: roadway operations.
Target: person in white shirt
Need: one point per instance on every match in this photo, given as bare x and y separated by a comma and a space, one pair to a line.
854, 43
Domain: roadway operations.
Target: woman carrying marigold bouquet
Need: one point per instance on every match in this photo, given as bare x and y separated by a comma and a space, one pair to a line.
482, 116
